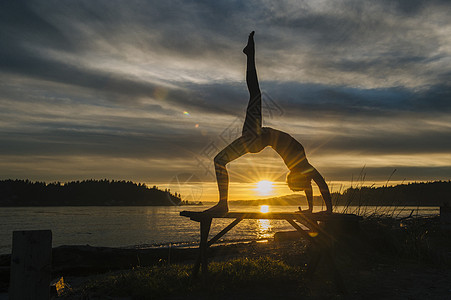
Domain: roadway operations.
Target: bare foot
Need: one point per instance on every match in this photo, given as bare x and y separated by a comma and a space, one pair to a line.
305, 211
220, 208
249, 49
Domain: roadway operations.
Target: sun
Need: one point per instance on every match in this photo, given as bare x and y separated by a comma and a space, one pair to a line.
264, 208
264, 187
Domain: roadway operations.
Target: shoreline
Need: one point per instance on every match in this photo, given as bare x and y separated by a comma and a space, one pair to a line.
85, 260
82, 235
403, 259
172, 245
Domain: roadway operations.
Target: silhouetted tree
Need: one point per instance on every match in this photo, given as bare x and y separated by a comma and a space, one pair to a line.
82, 193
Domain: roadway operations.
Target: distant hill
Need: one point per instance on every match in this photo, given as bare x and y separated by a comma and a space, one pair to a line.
413, 194
83, 193
296, 199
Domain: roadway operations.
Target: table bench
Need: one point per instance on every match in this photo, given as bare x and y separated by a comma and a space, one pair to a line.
322, 242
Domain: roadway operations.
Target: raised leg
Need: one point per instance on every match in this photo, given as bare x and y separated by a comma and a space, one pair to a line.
250, 141
253, 121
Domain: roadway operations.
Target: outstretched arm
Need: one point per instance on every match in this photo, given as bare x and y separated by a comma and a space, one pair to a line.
309, 195
323, 188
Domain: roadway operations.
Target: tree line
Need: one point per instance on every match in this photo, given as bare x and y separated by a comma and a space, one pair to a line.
436, 193
127, 193
84, 193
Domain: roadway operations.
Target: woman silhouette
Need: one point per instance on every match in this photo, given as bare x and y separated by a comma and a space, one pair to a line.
255, 138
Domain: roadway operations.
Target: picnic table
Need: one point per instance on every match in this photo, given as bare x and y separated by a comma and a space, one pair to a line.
319, 223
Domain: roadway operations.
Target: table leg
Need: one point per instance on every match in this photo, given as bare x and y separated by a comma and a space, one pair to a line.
204, 231
203, 245
196, 267
313, 263
339, 283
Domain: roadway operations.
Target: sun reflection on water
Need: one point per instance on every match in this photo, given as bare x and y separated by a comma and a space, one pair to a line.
264, 230
264, 227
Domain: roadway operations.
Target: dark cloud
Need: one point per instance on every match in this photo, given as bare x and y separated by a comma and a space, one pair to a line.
383, 62
378, 143
341, 101
410, 8
78, 143
22, 27
354, 36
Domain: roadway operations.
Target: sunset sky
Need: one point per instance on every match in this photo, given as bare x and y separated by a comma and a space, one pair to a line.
151, 91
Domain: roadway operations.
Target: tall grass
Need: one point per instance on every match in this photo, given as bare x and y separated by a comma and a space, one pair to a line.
418, 239
355, 202
174, 280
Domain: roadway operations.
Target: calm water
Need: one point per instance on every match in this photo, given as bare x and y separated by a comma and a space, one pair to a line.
145, 226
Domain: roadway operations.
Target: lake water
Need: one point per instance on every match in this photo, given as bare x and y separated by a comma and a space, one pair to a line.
149, 226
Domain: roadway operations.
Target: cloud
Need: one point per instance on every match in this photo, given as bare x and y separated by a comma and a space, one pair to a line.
108, 79
350, 42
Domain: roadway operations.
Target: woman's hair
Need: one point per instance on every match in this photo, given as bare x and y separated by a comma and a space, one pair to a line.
297, 181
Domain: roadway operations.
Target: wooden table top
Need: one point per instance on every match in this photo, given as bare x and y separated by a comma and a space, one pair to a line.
317, 216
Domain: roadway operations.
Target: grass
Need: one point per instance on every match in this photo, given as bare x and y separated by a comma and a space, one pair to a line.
381, 241
418, 239
234, 276
384, 243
